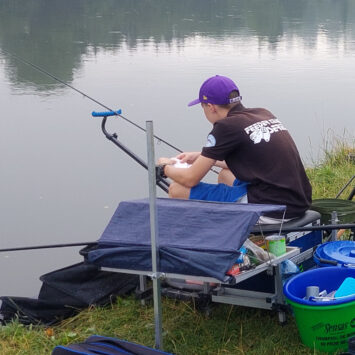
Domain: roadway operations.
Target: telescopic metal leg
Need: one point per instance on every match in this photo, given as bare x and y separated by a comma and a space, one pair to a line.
153, 235
142, 287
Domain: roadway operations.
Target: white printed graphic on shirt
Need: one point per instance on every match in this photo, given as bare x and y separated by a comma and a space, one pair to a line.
211, 141
263, 130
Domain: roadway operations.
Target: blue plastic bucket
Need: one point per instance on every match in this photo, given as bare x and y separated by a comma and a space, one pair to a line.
326, 326
338, 253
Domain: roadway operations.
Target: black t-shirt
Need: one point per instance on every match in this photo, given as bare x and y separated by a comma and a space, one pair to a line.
258, 149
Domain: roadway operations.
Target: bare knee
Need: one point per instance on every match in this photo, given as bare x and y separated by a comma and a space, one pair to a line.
178, 191
225, 176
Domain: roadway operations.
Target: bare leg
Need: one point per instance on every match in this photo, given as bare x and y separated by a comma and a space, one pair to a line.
226, 177
178, 191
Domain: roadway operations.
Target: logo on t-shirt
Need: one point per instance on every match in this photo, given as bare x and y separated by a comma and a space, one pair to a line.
211, 141
264, 129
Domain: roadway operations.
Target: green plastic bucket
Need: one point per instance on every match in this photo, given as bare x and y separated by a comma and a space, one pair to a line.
325, 326
345, 209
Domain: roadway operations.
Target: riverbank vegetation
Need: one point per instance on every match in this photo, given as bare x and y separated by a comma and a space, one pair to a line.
333, 171
225, 330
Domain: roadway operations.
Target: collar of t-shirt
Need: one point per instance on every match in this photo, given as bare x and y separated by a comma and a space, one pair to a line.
236, 108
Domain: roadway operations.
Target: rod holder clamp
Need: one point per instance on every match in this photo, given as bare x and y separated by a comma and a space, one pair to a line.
157, 276
334, 217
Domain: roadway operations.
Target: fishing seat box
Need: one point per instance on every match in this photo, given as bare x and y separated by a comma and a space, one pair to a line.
125, 245
258, 285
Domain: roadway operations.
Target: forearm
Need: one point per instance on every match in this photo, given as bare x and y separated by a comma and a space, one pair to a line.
191, 157
188, 157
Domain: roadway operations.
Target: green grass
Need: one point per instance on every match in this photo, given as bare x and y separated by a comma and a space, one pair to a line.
333, 172
226, 330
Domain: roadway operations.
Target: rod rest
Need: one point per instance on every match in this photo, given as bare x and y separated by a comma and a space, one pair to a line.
310, 217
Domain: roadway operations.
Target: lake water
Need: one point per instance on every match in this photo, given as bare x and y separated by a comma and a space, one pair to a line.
61, 180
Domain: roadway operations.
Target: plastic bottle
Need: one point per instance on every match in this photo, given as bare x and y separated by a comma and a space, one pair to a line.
240, 258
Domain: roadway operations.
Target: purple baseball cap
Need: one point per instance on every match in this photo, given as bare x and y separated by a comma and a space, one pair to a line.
216, 90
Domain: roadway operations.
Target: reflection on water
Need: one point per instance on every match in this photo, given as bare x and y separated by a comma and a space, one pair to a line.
61, 180
55, 35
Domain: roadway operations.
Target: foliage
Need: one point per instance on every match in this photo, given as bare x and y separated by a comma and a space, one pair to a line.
332, 173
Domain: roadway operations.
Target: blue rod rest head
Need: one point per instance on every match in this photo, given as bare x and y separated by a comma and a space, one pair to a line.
106, 114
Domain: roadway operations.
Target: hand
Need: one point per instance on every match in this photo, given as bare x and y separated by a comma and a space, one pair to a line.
188, 157
166, 161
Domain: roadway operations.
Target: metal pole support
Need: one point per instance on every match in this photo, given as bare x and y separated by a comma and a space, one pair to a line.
153, 236
334, 220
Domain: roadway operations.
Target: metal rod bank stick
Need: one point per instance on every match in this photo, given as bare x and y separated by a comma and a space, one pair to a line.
153, 236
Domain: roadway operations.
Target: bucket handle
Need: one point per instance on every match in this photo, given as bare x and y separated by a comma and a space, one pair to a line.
319, 260
352, 266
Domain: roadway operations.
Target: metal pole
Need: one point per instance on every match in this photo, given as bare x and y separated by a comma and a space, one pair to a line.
153, 236
334, 220
142, 286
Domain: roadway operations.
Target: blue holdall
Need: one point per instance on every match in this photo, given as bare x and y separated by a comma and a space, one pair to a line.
99, 345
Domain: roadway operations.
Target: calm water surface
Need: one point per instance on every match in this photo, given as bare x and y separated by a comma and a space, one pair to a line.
61, 179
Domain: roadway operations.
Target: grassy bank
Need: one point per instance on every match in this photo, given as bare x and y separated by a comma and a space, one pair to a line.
333, 172
226, 330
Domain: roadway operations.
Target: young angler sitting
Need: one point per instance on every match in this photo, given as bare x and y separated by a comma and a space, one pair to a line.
259, 159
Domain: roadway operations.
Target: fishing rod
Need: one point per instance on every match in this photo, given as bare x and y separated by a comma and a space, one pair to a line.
50, 246
43, 71
290, 229
352, 193
325, 227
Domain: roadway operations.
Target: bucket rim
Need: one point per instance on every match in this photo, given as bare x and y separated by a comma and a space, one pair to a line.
315, 305
302, 301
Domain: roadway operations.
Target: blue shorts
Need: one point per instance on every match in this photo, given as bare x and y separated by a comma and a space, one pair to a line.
219, 192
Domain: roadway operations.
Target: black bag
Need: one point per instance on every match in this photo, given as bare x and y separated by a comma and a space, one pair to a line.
65, 292
97, 345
